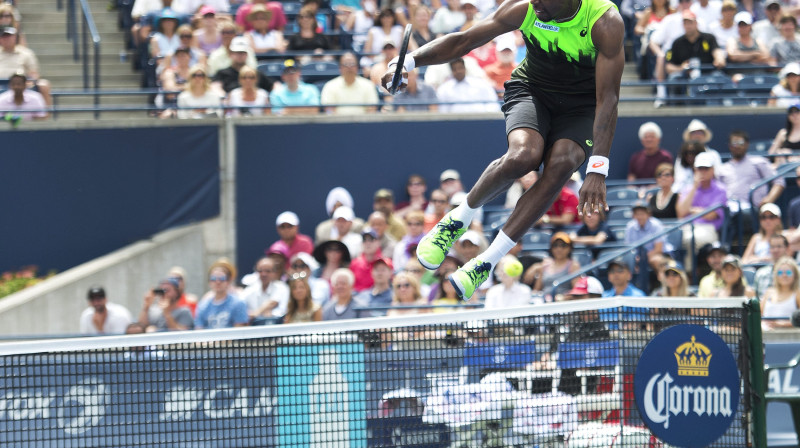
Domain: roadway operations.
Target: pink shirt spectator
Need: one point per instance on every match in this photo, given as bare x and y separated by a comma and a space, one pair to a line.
31, 100
278, 21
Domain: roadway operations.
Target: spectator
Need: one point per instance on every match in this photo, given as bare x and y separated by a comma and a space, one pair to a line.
307, 37
415, 189
417, 96
248, 99
15, 59
406, 247
102, 316
703, 193
301, 306
343, 224
9, 18
778, 248
342, 304
471, 94
336, 198
277, 21
698, 131
221, 57
331, 255
23, 101
661, 40
383, 201
744, 47
381, 64
196, 55
445, 294
643, 163
166, 40
380, 294
420, 21
788, 138
684, 165
267, 296
743, 170
663, 203
786, 48
198, 100
593, 232
707, 11
619, 275
509, 293
693, 45
439, 206
643, 226
362, 265
221, 309
469, 245
303, 98
175, 78
288, 226
794, 205
560, 263
448, 18
758, 248
450, 264
782, 299
161, 310
726, 27
471, 16
674, 283
785, 93
415, 268
227, 78
768, 29
647, 21
349, 94
278, 252
406, 293
563, 212
303, 263
518, 188
712, 282
733, 284
500, 71
385, 28
186, 299
208, 37
360, 22
261, 38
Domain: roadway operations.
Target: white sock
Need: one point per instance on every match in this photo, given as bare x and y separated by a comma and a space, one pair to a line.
463, 212
661, 91
499, 247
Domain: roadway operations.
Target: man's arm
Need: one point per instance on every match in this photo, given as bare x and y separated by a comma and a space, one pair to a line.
608, 33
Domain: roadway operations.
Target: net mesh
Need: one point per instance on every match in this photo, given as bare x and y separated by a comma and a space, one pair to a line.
552, 375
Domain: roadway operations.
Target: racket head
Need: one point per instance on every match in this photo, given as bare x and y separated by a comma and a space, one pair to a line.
401, 58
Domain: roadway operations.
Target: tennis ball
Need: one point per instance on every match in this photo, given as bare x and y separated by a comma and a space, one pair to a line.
513, 269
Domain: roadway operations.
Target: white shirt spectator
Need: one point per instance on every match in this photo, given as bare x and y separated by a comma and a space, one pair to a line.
710, 13
362, 91
435, 75
255, 296
116, 322
498, 296
477, 90
671, 28
723, 34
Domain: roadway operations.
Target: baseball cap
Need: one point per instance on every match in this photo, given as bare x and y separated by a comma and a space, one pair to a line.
280, 248
385, 260
505, 44
449, 174
186, 50
384, 193
96, 291
641, 204
471, 236
586, 285
368, 231
344, 212
743, 16
769, 3
207, 10
732, 260
239, 44
704, 160
792, 68
287, 218
307, 259
688, 15
563, 236
290, 66
388, 43
468, 2
619, 262
172, 281
716, 245
675, 266
771, 208
457, 198
8, 30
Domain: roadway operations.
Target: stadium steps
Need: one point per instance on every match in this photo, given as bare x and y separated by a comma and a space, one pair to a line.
45, 30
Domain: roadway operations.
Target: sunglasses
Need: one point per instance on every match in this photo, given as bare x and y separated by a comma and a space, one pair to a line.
248, 77
266, 271
671, 274
560, 244
416, 184
349, 65
217, 278
416, 223
298, 275
785, 273
6, 15
403, 285
765, 216
438, 201
228, 31
666, 174
299, 266
616, 270
198, 75
186, 36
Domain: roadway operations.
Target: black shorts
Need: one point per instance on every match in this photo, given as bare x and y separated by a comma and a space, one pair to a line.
555, 116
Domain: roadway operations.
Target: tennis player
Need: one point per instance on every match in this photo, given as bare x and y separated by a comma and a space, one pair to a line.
560, 107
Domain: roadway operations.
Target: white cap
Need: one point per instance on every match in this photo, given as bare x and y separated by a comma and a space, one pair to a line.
449, 174
704, 160
344, 212
239, 44
593, 286
468, 2
457, 198
287, 218
790, 68
771, 208
743, 16
471, 236
309, 260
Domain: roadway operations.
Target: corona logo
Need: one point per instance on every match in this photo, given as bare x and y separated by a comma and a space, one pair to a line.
693, 358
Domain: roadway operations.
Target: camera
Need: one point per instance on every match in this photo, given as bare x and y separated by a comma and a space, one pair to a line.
158, 291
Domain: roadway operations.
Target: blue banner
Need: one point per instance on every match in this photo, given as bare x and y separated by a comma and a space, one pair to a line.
500, 355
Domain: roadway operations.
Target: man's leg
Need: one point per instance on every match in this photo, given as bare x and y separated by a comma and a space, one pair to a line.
562, 160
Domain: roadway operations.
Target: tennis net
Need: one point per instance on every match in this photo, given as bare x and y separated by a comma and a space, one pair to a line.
558, 374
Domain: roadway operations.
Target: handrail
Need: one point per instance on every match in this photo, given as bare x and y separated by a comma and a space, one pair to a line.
88, 27
614, 254
785, 168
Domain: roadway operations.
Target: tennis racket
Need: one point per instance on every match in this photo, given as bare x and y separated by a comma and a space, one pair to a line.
401, 58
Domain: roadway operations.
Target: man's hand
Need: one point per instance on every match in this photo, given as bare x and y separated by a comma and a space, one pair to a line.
386, 79
99, 320
592, 197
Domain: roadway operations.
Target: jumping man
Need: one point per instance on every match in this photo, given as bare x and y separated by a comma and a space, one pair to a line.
560, 107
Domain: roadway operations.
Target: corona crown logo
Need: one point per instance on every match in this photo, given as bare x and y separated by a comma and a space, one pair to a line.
693, 358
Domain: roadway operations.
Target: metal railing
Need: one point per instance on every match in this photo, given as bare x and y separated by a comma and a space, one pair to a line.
88, 28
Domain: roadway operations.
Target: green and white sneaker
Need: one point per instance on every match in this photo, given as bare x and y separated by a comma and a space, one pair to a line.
434, 246
468, 277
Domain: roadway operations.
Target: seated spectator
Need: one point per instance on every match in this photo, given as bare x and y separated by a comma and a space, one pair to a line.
619, 275
288, 228
267, 296
436, 75
788, 138
221, 57
189, 300
293, 92
197, 56
336, 198
563, 212
675, 281
349, 88
227, 78
331, 256
406, 293
643, 226
248, 99
726, 27
418, 96
261, 38
703, 193
8, 18
277, 22
711, 283
175, 78
360, 22
415, 268
778, 248
743, 170
23, 101
221, 309
699, 131
509, 293
361, 266
343, 218
541, 276
380, 294
301, 307
785, 93
384, 28
307, 37
767, 28
433, 278
500, 71
279, 253
448, 18
102, 316
469, 245
420, 21
15, 59
406, 248
786, 48
445, 294
381, 65
663, 203
439, 207
207, 37
782, 299
383, 201
166, 39
744, 48
693, 46
199, 96
684, 164
471, 15
593, 232
474, 94
733, 283
378, 223
342, 303
647, 21
161, 310
643, 163
303, 263
758, 248
415, 189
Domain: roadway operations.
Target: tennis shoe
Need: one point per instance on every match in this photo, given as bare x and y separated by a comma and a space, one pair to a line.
434, 246
468, 277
